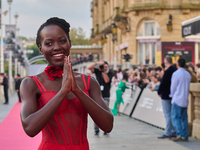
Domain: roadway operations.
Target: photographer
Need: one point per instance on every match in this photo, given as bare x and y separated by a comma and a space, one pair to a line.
104, 77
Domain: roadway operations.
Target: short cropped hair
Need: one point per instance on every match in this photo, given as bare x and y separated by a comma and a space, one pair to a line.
168, 59
181, 62
53, 21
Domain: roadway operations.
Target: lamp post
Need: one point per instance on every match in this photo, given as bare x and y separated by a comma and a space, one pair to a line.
10, 51
9, 2
16, 60
114, 38
2, 54
16, 16
114, 32
169, 24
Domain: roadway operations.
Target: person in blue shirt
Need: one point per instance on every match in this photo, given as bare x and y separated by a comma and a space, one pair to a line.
179, 92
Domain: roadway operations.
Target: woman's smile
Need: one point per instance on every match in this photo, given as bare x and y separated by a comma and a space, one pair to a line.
58, 56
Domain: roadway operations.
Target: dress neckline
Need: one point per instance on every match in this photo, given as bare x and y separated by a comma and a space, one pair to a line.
46, 91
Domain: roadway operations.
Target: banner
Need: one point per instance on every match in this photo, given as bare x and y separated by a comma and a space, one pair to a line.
112, 96
191, 27
129, 106
149, 109
10, 37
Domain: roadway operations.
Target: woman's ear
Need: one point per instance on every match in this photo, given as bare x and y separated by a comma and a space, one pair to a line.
40, 50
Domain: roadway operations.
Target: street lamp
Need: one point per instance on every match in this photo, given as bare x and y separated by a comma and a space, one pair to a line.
169, 24
10, 51
16, 59
9, 2
103, 39
16, 16
114, 32
114, 28
2, 51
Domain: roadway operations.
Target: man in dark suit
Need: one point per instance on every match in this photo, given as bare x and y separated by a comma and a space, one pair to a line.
163, 92
5, 87
17, 87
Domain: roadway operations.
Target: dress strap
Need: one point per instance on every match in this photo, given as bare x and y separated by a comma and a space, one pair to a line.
83, 76
84, 80
39, 84
88, 81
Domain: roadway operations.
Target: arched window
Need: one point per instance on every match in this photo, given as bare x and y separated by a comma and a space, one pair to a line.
147, 38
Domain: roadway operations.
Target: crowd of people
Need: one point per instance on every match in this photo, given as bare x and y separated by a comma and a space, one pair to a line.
171, 81
150, 76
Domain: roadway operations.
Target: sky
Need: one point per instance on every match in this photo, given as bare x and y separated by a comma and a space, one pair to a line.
33, 13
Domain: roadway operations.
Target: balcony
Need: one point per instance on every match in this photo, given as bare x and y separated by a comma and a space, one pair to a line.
106, 26
144, 4
191, 4
160, 4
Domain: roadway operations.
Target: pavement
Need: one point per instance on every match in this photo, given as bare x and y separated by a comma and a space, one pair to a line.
127, 134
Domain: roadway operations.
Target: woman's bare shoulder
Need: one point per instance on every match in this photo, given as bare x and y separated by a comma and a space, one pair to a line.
28, 82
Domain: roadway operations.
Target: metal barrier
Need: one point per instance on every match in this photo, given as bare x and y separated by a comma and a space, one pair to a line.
142, 104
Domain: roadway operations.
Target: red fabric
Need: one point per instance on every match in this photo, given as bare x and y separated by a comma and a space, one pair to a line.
67, 130
53, 72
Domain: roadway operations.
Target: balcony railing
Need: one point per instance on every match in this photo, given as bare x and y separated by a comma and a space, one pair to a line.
156, 4
146, 3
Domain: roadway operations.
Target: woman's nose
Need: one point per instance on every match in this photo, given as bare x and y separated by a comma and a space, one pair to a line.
57, 46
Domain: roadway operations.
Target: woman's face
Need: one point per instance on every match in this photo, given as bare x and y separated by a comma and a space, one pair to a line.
55, 45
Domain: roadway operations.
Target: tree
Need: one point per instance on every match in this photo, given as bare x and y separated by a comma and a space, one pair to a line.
77, 37
6, 67
41, 62
35, 49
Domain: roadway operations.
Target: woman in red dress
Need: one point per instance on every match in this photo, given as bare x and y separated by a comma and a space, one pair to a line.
58, 100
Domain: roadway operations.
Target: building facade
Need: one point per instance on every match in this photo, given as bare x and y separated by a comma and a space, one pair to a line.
147, 30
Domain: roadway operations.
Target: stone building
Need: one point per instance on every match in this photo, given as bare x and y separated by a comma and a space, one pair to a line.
147, 30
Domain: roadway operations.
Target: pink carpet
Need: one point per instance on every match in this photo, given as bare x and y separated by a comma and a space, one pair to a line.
12, 135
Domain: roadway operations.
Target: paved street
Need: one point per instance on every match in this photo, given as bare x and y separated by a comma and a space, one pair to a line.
127, 134
130, 134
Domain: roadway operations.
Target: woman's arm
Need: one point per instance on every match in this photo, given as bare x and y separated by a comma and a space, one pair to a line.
34, 120
95, 106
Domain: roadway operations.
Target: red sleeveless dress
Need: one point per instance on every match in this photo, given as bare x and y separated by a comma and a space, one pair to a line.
67, 130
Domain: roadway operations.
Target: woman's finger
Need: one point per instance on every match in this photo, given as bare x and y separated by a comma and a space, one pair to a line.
68, 58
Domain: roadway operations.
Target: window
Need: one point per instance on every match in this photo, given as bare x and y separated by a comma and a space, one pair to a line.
149, 28
148, 35
153, 53
141, 52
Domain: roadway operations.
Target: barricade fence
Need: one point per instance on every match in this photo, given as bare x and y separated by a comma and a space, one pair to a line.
141, 104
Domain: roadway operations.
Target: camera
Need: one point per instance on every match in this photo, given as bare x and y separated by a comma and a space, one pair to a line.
101, 67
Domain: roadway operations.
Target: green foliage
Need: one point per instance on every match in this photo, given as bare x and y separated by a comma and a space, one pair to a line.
77, 37
35, 51
41, 62
6, 67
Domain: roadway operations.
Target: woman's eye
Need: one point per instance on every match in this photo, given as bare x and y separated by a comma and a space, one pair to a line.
63, 41
48, 44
